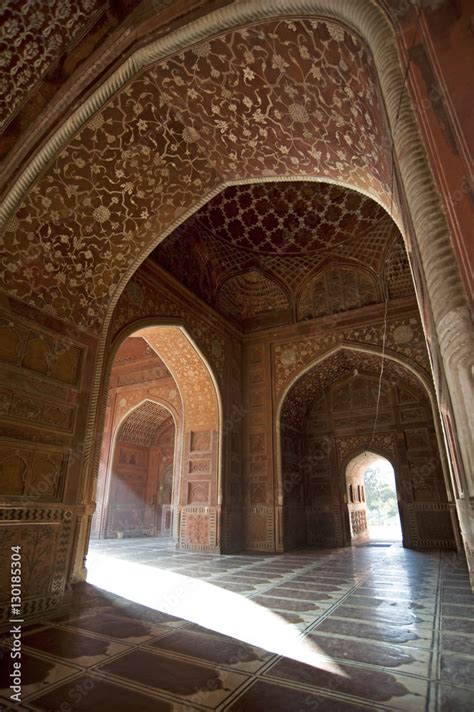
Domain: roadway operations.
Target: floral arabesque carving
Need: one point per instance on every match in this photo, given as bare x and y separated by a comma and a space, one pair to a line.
280, 98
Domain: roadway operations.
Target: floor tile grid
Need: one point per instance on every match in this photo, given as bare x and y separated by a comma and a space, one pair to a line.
287, 578
333, 613
92, 669
311, 566
325, 614
254, 565
262, 673
323, 691
95, 672
455, 668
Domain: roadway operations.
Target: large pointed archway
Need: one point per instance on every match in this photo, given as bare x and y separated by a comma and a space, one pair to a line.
336, 409
160, 464
138, 156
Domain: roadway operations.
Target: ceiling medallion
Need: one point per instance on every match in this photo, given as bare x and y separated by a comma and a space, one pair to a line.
403, 334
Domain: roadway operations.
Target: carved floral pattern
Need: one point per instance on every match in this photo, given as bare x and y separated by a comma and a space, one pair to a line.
280, 98
197, 389
34, 35
292, 356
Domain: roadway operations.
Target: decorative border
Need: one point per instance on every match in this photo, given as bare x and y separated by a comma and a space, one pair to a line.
204, 511
64, 517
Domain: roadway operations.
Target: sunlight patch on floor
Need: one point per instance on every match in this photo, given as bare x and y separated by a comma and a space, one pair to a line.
207, 605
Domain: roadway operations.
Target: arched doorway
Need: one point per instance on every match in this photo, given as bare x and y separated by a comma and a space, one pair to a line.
140, 490
160, 461
372, 499
326, 418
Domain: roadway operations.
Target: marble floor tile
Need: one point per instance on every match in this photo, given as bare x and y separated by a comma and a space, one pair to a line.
458, 625
124, 628
395, 657
180, 678
457, 610
454, 699
316, 584
86, 694
383, 615
77, 647
361, 683
409, 635
287, 604
367, 617
264, 695
458, 643
457, 670
37, 674
416, 604
298, 595
216, 649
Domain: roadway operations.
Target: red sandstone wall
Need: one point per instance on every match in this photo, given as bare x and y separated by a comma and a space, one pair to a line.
441, 90
45, 383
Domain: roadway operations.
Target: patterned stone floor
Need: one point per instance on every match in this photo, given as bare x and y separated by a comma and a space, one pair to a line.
365, 628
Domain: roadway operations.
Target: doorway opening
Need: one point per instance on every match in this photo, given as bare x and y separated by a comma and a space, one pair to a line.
372, 500
159, 467
140, 495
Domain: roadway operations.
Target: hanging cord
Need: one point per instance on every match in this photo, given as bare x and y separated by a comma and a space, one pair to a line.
392, 190
382, 364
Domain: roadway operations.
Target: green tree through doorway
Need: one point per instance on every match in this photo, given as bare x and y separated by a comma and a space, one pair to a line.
382, 507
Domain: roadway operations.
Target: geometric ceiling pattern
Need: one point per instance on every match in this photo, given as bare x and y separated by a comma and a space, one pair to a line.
288, 218
143, 424
336, 367
253, 251
251, 294
280, 98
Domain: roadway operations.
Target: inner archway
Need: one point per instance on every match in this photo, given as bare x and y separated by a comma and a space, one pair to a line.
372, 499
159, 470
337, 409
140, 494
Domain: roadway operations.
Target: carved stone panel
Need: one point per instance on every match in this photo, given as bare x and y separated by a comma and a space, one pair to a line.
25, 472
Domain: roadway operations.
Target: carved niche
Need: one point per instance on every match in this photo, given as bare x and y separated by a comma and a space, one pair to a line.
337, 289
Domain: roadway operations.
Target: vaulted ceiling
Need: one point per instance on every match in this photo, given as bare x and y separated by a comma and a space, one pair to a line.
283, 97
273, 253
144, 425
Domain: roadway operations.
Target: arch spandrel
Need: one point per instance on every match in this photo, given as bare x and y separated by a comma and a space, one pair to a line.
198, 391
404, 338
